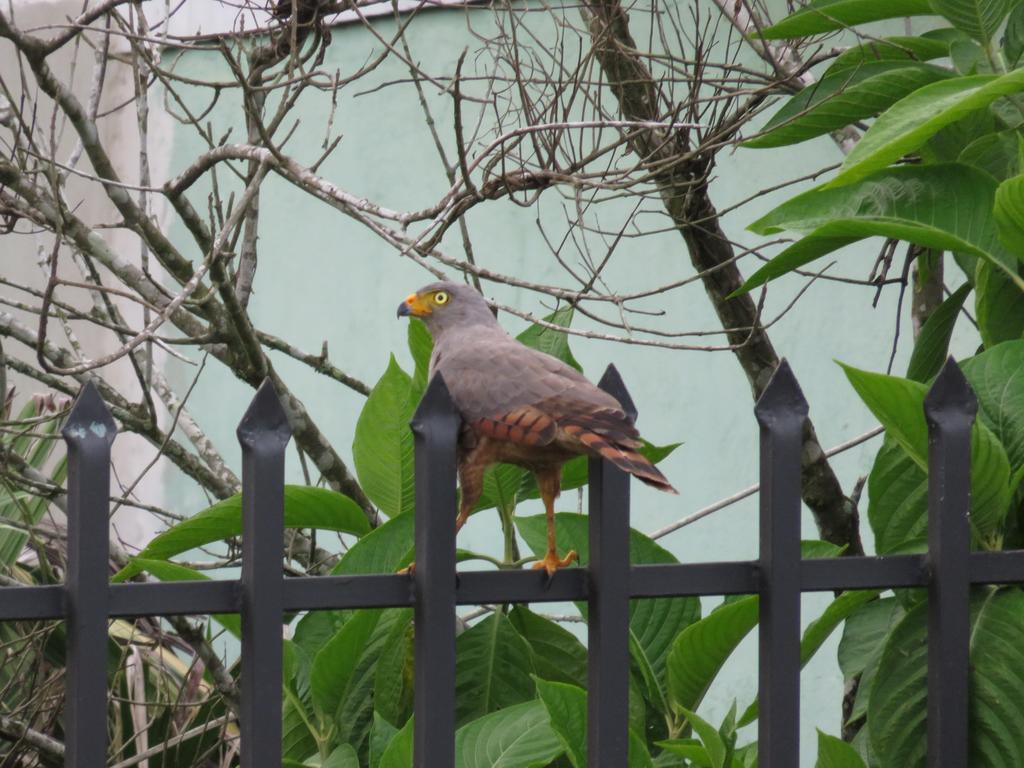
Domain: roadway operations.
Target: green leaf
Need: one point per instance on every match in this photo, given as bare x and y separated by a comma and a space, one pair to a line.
420, 347
567, 709
701, 649
910, 122
382, 450
501, 487
860, 647
998, 306
517, 737
897, 708
892, 49
493, 670
382, 550
1013, 36
899, 405
393, 676
654, 622
836, 753
1009, 210
304, 507
944, 207
166, 571
978, 18
381, 734
550, 341
557, 654
997, 378
932, 346
827, 15
343, 757
334, 663
709, 737
996, 153
398, 753
842, 98
897, 498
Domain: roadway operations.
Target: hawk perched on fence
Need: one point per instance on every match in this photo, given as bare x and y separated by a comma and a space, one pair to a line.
519, 406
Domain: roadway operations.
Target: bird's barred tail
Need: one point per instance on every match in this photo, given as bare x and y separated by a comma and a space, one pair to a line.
625, 457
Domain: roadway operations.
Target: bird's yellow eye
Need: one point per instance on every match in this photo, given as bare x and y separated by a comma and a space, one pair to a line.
441, 298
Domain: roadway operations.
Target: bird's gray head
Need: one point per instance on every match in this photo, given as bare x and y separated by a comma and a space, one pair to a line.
442, 306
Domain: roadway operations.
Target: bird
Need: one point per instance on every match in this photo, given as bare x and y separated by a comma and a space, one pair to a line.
519, 406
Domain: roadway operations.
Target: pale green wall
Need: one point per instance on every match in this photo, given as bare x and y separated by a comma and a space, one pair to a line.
322, 276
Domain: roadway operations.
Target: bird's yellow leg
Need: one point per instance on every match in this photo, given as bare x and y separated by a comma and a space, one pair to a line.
549, 483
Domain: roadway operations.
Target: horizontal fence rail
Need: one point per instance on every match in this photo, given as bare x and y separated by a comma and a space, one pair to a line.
87, 600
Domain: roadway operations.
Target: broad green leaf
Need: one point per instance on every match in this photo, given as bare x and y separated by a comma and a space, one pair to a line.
567, 709
897, 498
978, 18
709, 737
382, 450
304, 507
354, 718
420, 347
654, 622
398, 753
836, 753
550, 341
932, 346
501, 487
860, 647
343, 757
944, 207
557, 654
382, 550
843, 98
1013, 36
700, 650
517, 737
827, 15
998, 306
897, 708
1009, 212
893, 49
996, 153
997, 378
296, 739
899, 405
381, 734
910, 122
334, 663
166, 571
493, 670
393, 675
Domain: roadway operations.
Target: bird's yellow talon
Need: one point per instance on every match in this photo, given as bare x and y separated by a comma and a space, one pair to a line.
409, 570
551, 562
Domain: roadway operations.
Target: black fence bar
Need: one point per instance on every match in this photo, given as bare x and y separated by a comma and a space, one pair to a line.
694, 579
608, 603
950, 408
263, 434
781, 411
435, 430
89, 433
828, 574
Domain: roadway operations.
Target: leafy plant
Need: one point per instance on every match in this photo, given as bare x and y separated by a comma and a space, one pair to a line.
939, 166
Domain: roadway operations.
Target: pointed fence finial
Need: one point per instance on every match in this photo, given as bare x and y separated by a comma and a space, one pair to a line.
264, 417
951, 394
436, 403
90, 418
782, 397
612, 383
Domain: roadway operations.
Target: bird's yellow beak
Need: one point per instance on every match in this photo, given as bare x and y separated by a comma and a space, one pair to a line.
414, 306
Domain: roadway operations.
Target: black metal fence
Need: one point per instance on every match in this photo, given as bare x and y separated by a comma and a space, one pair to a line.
262, 595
